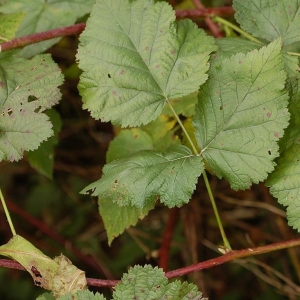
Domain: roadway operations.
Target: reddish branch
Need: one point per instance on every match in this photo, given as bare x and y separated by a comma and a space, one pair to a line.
78, 28
42, 36
11, 264
211, 25
167, 238
52, 234
205, 12
230, 256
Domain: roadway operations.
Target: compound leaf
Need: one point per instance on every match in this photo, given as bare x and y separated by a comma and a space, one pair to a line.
150, 283
241, 115
27, 88
270, 19
134, 57
148, 175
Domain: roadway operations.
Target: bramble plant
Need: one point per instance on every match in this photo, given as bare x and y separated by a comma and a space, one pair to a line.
183, 103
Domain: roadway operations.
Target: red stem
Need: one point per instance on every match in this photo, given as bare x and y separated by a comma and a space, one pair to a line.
11, 264
205, 12
67, 244
101, 282
230, 256
42, 36
78, 28
211, 25
167, 238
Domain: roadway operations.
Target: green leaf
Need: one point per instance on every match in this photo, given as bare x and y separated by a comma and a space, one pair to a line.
27, 88
117, 218
45, 296
128, 142
270, 19
292, 134
83, 295
134, 57
241, 115
148, 175
188, 125
284, 183
230, 46
41, 267
9, 24
183, 106
45, 15
158, 134
162, 132
150, 283
42, 158
57, 275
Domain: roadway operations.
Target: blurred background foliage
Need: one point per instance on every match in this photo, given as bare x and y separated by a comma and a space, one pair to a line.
55, 217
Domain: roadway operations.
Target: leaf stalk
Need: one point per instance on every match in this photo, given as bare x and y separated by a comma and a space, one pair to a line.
11, 225
210, 194
215, 209
183, 128
237, 29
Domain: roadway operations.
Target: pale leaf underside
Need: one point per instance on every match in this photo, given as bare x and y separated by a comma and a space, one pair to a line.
241, 115
134, 57
27, 88
270, 19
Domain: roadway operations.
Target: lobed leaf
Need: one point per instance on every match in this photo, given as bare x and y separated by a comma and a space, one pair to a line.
241, 114
83, 295
150, 283
270, 19
27, 88
142, 178
134, 57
